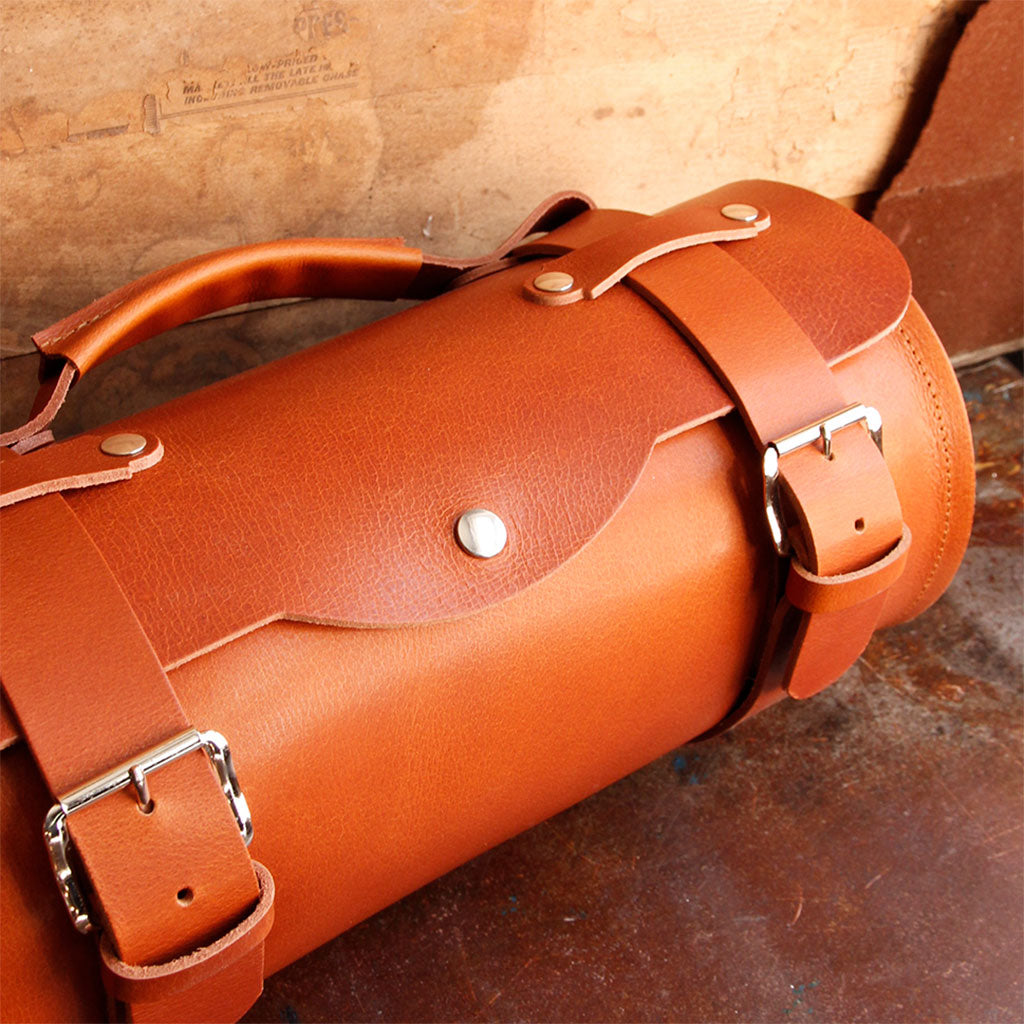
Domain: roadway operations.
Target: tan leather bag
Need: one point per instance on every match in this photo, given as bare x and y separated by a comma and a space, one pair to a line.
617, 487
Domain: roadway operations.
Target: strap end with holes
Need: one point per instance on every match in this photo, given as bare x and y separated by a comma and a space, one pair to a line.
134, 775
821, 430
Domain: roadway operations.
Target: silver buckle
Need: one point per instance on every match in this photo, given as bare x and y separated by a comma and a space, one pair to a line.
133, 773
821, 430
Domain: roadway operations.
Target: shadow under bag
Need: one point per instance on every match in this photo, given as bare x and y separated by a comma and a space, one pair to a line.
612, 488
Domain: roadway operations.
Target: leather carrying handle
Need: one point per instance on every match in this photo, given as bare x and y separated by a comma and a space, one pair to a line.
363, 268
301, 267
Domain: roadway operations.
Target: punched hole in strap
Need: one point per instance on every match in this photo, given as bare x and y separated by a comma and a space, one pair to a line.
823, 431
148, 983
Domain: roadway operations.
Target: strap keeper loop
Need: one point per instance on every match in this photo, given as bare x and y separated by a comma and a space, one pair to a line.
150, 983
818, 594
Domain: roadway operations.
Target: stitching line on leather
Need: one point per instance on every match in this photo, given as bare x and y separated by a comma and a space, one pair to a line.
85, 323
947, 457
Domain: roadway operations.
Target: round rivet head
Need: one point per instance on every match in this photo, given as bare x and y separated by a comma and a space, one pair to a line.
553, 281
123, 444
481, 533
740, 211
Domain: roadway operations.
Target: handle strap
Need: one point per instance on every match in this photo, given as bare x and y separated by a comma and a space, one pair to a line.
359, 268
309, 267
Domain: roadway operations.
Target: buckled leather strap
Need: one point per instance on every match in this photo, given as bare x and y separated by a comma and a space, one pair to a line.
194, 986
90, 695
845, 523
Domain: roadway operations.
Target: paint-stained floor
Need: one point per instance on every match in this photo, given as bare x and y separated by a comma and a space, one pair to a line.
855, 857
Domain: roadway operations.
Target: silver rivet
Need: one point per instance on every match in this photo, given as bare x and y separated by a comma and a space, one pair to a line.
740, 211
123, 444
481, 533
553, 281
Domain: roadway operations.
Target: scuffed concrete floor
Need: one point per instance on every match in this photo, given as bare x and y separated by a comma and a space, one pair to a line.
856, 857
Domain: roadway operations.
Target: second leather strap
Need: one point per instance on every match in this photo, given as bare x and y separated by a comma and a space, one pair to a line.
162, 879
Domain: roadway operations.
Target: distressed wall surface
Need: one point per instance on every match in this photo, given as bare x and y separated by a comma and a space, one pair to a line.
957, 209
135, 134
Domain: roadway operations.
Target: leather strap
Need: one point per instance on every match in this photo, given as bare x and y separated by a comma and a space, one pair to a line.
442, 272
845, 522
177, 989
314, 267
70, 465
90, 694
594, 268
818, 594
54, 385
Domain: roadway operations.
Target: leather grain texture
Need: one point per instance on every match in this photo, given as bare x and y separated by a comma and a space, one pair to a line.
476, 698
371, 268
153, 897
478, 398
63, 467
212, 983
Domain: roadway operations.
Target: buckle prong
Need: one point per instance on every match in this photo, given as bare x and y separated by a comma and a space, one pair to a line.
140, 784
135, 774
826, 441
823, 429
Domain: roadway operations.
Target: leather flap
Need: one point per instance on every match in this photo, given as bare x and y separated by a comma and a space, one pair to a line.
326, 487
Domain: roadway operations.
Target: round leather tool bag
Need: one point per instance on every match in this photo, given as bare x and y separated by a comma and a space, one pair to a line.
278, 652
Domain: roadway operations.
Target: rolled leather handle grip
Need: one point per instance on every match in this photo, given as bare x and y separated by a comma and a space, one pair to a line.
363, 268
346, 268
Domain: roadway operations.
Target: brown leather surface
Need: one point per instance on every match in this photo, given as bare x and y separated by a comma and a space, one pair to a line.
360, 267
805, 260
457, 734
928, 450
550, 435
813, 593
53, 389
596, 267
606, 220
779, 387
621, 620
90, 694
850, 521
817, 863
363, 268
438, 272
194, 987
774, 371
843, 514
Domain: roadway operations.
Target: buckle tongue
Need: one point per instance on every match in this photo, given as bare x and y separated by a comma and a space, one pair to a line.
820, 430
133, 774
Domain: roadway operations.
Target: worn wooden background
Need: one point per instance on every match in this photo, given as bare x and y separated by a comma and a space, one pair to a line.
138, 132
